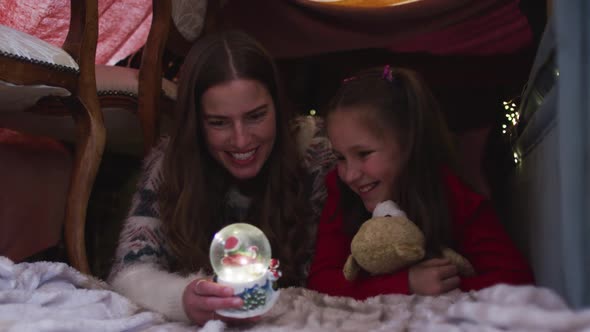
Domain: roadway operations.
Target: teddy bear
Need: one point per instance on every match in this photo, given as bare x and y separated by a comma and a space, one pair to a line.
390, 241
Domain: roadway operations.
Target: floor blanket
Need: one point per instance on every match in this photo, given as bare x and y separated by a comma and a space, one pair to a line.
47, 297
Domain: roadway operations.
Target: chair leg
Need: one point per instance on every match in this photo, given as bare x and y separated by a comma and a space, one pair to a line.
148, 114
90, 144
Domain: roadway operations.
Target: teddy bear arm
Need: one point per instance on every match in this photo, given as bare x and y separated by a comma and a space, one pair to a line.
410, 253
463, 265
351, 268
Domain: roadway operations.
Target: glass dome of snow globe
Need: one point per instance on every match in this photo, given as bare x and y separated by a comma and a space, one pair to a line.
240, 255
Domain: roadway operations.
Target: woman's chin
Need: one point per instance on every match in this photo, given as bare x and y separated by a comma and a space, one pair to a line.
245, 173
244, 176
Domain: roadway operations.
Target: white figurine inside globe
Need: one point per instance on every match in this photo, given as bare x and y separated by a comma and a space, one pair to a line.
240, 253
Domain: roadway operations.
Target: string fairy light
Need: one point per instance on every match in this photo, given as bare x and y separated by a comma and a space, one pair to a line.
509, 127
516, 156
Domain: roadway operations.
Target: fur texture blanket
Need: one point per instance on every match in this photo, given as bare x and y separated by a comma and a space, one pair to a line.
55, 297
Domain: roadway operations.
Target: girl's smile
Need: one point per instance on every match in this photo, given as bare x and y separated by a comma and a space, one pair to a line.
367, 188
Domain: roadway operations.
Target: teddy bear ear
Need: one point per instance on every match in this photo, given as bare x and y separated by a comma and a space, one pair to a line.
388, 209
351, 269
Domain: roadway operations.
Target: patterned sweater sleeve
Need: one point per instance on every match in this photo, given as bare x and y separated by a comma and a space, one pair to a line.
141, 239
142, 262
317, 158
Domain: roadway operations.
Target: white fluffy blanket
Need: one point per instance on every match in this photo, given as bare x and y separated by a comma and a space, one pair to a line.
55, 297
44, 297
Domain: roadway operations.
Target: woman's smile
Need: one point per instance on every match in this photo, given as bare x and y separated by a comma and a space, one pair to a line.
243, 158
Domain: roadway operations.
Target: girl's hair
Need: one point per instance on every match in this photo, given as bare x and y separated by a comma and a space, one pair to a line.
398, 101
195, 186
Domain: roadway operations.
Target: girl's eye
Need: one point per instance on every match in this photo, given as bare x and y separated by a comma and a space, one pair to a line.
364, 154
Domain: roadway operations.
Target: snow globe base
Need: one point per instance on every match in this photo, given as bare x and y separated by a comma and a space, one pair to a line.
258, 296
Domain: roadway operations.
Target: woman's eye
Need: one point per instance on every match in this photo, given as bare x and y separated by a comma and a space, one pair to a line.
256, 116
217, 123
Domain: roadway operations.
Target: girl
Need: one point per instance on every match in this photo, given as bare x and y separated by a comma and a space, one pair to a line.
231, 158
391, 143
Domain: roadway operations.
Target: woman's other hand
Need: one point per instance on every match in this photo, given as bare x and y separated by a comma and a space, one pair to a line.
202, 297
433, 277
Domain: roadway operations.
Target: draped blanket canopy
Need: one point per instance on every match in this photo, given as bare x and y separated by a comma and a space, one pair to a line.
293, 28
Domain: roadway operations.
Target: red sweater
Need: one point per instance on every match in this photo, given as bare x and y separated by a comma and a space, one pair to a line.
476, 230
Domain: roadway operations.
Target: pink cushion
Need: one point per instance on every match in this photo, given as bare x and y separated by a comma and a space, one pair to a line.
123, 80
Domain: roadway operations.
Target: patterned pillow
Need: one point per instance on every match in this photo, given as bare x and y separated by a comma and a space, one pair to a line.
22, 46
189, 16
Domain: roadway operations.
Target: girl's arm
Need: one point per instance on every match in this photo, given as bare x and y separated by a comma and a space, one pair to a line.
332, 250
482, 239
326, 276
495, 258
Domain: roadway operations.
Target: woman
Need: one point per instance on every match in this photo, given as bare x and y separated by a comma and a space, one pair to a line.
232, 158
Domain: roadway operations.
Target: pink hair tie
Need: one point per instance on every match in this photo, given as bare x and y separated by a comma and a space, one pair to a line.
387, 73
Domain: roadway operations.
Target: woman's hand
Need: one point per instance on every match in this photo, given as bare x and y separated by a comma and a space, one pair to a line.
202, 297
433, 277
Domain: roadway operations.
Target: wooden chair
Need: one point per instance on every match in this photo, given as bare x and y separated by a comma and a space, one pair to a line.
31, 67
145, 92
132, 100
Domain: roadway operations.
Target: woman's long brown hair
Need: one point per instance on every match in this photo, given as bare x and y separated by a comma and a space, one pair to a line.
401, 103
195, 185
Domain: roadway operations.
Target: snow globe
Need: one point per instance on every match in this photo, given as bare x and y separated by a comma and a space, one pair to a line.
240, 255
